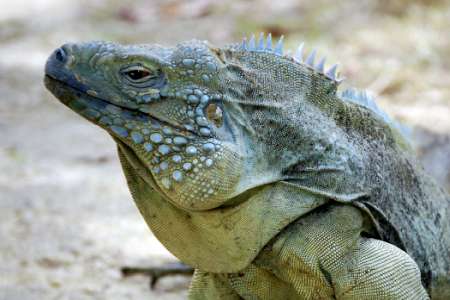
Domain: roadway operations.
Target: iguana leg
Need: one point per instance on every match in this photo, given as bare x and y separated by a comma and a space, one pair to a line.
379, 270
155, 273
324, 256
321, 256
205, 286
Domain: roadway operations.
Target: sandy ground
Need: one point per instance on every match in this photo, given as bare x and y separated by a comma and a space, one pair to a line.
67, 221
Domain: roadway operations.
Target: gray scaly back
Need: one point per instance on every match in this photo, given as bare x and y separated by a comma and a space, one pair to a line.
356, 96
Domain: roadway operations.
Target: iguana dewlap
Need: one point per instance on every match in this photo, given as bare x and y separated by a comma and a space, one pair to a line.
252, 167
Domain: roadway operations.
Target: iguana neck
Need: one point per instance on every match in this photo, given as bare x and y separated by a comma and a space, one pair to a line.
222, 240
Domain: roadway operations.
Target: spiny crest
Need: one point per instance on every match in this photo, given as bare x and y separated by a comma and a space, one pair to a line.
360, 96
365, 99
265, 45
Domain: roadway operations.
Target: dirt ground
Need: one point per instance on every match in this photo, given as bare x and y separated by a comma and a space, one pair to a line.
67, 221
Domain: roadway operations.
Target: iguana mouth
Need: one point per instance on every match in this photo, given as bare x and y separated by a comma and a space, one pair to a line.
73, 97
54, 85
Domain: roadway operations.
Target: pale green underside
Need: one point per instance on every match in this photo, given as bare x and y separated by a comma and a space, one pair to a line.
321, 256
262, 249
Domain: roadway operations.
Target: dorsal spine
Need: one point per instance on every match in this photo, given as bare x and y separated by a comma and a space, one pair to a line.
265, 45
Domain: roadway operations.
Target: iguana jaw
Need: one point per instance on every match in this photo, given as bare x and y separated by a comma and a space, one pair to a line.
86, 105
98, 110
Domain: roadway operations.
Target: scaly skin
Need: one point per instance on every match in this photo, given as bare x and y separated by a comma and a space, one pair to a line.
230, 151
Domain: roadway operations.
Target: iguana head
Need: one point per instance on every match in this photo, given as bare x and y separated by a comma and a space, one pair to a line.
206, 123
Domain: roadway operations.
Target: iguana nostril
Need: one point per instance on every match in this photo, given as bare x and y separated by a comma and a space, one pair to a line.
60, 55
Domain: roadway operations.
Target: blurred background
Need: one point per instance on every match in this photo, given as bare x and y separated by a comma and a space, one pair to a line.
67, 221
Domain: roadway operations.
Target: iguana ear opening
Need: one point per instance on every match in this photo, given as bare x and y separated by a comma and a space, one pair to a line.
214, 114
220, 54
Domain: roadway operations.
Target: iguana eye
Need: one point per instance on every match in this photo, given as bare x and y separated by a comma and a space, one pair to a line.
138, 74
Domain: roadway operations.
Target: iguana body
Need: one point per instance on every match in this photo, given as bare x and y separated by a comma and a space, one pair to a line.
252, 167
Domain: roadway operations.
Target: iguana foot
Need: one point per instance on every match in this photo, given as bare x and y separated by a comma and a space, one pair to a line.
155, 273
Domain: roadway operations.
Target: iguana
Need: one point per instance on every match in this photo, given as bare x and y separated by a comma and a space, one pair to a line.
253, 167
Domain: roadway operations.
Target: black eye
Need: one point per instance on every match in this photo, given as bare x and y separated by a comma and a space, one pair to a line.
138, 74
